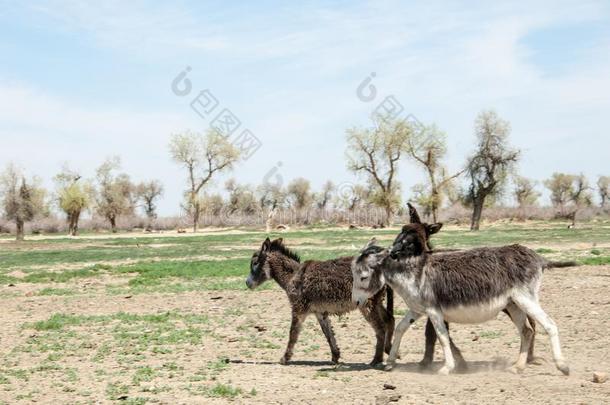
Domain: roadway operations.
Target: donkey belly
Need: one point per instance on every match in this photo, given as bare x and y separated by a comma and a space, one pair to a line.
475, 313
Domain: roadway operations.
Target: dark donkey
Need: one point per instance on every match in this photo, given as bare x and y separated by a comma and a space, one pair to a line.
322, 288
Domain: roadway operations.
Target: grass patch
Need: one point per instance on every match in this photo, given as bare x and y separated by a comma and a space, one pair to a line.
223, 391
596, 261
56, 291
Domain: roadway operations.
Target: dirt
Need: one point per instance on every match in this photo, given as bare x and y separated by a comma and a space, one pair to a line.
578, 299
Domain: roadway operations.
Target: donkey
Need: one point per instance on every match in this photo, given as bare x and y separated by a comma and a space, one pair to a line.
322, 288
430, 334
466, 287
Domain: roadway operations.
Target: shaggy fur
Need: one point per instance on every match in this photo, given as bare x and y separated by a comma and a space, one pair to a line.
322, 288
409, 244
467, 287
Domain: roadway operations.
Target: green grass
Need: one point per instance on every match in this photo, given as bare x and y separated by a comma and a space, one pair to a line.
596, 261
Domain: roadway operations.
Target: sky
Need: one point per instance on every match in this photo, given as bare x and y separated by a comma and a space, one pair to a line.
83, 81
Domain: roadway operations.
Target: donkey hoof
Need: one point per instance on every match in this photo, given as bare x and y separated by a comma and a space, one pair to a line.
564, 368
335, 359
537, 361
424, 364
444, 370
515, 369
389, 366
284, 360
375, 362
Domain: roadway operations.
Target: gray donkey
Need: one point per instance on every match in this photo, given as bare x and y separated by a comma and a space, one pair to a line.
470, 286
322, 288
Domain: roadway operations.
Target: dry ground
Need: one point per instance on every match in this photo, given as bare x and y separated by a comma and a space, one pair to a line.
243, 335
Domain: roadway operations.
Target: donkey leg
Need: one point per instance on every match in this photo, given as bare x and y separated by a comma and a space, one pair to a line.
430, 342
526, 334
402, 327
530, 305
436, 317
327, 328
531, 358
295, 329
374, 318
461, 364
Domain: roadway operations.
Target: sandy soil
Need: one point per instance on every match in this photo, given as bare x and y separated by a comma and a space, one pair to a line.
250, 329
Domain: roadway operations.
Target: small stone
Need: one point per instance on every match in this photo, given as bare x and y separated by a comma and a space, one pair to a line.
387, 386
394, 398
599, 377
128, 297
501, 389
475, 338
260, 328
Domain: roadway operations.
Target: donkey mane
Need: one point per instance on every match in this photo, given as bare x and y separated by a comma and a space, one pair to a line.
277, 245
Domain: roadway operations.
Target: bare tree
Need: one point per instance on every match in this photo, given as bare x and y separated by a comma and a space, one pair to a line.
74, 196
375, 152
325, 196
21, 199
525, 192
241, 198
115, 195
428, 148
203, 157
603, 188
149, 192
491, 162
569, 193
299, 193
270, 195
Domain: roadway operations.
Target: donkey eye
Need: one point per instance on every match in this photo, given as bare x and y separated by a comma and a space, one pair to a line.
363, 278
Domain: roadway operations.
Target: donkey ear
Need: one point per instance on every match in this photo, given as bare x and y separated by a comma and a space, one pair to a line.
434, 228
266, 245
413, 215
280, 241
370, 243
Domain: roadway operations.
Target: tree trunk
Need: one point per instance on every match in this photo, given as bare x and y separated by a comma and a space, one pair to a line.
476, 212
196, 214
20, 229
388, 215
73, 223
112, 224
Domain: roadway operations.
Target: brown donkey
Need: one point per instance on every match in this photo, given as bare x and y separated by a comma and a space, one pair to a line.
322, 288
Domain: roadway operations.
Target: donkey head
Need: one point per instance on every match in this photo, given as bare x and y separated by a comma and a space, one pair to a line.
414, 237
259, 269
367, 279
260, 266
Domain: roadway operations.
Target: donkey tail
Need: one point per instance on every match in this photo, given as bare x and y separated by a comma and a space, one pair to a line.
567, 263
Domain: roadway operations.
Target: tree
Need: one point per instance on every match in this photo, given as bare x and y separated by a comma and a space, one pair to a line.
148, 192
490, 164
525, 192
203, 157
73, 195
270, 195
115, 195
428, 148
241, 198
325, 195
375, 152
603, 188
569, 193
299, 194
22, 199
561, 187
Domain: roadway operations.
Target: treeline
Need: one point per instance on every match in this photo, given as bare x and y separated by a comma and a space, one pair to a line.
374, 154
